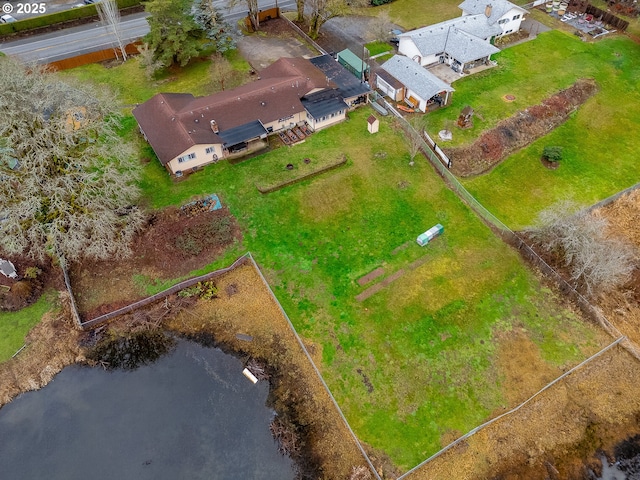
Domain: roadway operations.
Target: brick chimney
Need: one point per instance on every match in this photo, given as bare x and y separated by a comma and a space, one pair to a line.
487, 10
214, 126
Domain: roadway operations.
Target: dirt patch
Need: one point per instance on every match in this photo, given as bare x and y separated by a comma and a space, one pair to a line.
172, 245
34, 277
622, 308
262, 50
508, 98
369, 277
548, 164
519, 130
51, 346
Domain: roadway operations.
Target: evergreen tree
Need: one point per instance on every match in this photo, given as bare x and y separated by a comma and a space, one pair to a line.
174, 35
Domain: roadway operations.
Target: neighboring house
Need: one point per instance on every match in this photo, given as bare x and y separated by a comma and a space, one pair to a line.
187, 132
498, 12
463, 42
402, 79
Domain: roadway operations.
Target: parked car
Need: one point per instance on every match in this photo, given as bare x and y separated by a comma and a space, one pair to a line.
394, 36
7, 19
90, 2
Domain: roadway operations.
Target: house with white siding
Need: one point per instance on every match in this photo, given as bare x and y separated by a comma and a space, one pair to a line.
466, 41
402, 79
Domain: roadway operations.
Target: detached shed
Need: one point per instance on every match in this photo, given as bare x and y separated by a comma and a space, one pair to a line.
373, 124
353, 63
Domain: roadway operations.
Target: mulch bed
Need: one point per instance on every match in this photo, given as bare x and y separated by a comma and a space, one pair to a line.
519, 130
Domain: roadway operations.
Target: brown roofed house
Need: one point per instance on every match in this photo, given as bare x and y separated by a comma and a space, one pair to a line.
187, 132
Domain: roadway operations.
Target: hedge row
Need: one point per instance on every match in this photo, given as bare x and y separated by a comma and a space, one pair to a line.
69, 15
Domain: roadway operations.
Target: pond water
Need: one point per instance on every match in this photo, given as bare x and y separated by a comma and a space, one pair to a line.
190, 415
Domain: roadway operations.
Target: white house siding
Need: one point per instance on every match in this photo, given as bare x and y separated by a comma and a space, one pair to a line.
201, 158
286, 122
319, 123
408, 48
511, 25
388, 90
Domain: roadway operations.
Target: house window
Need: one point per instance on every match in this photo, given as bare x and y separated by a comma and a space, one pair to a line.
186, 158
333, 115
503, 21
508, 31
269, 129
210, 150
516, 17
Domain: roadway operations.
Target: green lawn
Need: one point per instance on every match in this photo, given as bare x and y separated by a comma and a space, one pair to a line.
130, 85
376, 48
427, 343
600, 148
411, 14
14, 326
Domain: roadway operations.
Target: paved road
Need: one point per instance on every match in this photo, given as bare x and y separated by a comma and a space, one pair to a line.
74, 41
54, 46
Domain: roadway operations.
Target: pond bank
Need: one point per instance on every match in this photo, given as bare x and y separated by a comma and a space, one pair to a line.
594, 409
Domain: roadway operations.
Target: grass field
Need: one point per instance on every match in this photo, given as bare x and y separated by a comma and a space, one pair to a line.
15, 325
419, 361
131, 86
600, 150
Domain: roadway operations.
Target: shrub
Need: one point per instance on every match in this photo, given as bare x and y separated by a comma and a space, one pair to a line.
552, 153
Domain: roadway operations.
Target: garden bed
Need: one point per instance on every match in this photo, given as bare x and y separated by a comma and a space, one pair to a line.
296, 172
519, 130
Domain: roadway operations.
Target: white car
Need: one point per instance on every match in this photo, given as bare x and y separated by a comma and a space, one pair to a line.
7, 19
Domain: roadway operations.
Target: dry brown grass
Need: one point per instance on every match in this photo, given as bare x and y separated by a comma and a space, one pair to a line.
591, 409
246, 306
51, 346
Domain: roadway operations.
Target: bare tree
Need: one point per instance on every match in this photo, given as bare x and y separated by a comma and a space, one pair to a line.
68, 180
324, 10
148, 61
252, 10
598, 263
110, 17
300, 11
380, 28
412, 138
222, 73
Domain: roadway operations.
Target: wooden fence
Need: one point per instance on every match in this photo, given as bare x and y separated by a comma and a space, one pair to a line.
161, 295
583, 6
93, 57
263, 16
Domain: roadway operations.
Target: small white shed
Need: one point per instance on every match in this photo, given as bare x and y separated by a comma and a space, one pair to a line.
373, 124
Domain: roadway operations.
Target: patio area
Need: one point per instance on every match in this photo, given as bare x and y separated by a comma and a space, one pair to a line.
583, 22
445, 73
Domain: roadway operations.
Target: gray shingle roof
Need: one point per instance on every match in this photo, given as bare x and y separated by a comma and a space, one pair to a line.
498, 8
436, 38
415, 77
465, 47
